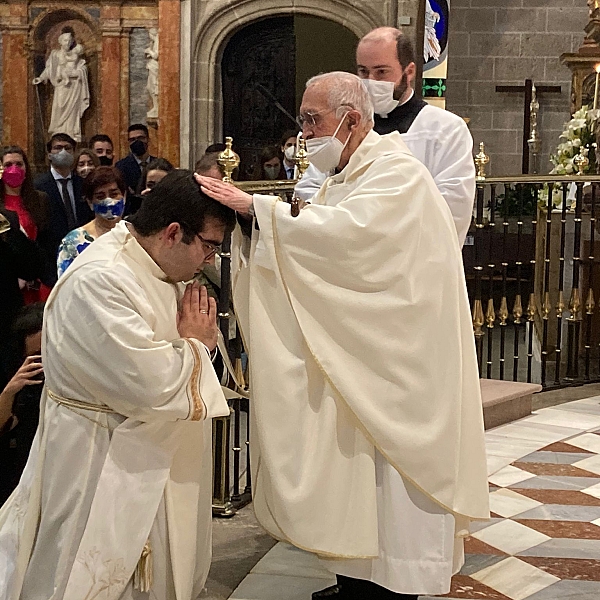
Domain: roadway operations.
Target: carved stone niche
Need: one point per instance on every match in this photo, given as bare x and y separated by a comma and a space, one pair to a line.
45, 30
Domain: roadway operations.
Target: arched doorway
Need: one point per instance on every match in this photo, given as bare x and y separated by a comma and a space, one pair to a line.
264, 69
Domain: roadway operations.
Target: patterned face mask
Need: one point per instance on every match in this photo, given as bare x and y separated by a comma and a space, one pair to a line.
109, 208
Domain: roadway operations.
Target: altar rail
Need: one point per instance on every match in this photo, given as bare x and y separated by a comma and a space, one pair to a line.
232, 483
532, 274
523, 259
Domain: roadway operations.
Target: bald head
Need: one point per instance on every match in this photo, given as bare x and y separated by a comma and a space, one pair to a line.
381, 34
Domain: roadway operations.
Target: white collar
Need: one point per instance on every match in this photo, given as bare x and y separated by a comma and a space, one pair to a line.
58, 176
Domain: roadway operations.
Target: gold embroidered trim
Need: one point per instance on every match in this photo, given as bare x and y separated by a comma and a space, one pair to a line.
198, 409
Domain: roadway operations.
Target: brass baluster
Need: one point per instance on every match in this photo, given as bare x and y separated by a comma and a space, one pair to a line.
531, 325
574, 321
228, 160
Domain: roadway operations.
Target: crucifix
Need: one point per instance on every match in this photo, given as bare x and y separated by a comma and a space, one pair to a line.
528, 89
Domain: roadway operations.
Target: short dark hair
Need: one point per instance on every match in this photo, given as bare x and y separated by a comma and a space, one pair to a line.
138, 127
268, 153
60, 137
28, 321
100, 137
215, 148
405, 50
207, 162
158, 164
102, 176
290, 133
179, 199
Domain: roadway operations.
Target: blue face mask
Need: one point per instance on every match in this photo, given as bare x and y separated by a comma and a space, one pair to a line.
109, 208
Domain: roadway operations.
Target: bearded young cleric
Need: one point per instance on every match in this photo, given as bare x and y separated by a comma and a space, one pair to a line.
367, 424
115, 499
385, 62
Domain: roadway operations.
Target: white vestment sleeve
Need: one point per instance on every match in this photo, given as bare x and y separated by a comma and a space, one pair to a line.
453, 172
141, 374
311, 182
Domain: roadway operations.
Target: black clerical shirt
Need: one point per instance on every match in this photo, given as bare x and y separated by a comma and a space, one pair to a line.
401, 118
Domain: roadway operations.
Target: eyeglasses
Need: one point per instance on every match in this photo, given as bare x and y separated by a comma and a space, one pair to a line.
309, 118
211, 247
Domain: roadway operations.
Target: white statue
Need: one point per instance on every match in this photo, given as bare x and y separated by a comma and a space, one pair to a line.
431, 48
67, 72
152, 65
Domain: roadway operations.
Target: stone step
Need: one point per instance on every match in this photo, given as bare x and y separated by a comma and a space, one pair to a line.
506, 401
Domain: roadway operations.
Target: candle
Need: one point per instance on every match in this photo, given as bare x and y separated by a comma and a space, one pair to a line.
596, 88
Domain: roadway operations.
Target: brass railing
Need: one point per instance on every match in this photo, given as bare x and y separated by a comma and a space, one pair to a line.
530, 260
523, 259
231, 434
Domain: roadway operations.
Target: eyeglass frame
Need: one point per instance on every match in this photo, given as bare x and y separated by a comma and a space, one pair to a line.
309, 117
214, 250
301, 120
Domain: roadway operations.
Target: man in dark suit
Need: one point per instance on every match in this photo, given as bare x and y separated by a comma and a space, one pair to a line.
131, 166
68, 210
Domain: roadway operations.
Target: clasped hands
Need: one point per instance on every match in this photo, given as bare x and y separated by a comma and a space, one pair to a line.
197, 316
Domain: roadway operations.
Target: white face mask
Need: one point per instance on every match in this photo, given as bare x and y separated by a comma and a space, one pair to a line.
271, 172
290, 153
84, 171
325, 152
382, 95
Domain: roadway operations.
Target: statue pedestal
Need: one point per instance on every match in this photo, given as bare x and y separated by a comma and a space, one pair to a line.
582, 65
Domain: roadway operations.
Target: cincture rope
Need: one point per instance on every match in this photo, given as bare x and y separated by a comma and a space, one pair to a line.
77, 405
142, 577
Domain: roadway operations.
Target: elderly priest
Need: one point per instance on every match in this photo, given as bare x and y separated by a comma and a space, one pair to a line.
367, 412
115, 501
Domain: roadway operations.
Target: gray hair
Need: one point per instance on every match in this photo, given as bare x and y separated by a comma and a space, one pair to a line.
345, 90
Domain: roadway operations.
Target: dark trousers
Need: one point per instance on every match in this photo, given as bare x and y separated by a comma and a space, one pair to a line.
359, 589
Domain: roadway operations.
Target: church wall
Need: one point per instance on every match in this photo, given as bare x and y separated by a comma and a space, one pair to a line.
213, 22
503, 42
139, 40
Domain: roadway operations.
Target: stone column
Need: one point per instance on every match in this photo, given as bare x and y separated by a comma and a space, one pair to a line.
16, 86
111, 100
169, 14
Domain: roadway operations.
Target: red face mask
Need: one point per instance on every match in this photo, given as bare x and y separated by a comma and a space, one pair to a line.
13, 176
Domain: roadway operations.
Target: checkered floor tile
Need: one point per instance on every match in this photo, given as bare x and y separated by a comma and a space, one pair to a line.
545, 545
543, 540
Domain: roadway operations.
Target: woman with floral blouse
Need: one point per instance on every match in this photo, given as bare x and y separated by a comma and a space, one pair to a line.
104, 190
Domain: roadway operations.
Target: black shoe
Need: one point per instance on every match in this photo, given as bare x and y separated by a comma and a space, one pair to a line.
333, 592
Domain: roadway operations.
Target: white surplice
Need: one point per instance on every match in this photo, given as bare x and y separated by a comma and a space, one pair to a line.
442, 142
99, 485
368, 429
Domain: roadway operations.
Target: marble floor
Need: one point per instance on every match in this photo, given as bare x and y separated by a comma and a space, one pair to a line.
543, 541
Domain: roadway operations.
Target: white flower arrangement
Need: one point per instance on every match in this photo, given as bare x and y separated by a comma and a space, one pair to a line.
578, 137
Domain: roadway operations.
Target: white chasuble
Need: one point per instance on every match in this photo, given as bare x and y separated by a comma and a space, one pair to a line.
99, 485
362, 357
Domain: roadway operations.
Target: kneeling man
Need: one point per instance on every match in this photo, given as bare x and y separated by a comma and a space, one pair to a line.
367, 410
115, 501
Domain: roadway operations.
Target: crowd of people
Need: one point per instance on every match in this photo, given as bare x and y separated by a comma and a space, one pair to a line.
54, 218
366, 408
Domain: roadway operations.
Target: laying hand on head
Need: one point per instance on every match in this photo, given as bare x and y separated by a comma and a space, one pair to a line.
225, 193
